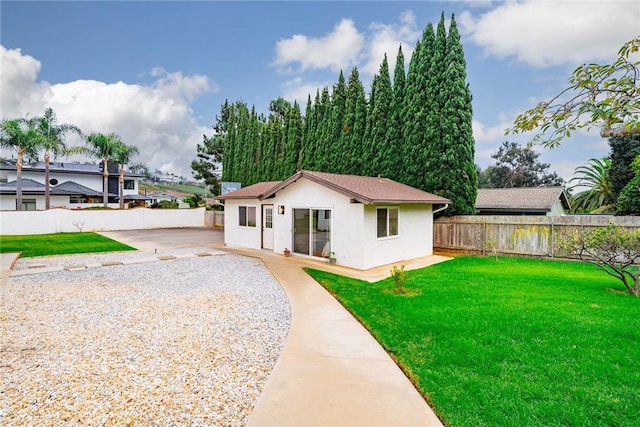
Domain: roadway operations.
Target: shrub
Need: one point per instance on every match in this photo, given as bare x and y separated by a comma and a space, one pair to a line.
399, 276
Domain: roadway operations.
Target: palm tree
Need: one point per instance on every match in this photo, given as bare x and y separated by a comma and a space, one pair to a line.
53, 135
22, 136
103, 147
598, 197
123, 156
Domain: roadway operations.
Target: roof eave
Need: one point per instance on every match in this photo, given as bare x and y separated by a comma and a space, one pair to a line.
408, 202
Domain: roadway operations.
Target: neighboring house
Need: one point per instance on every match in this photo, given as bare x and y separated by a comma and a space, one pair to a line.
156, 197
551, 201
164, 178
364, 221
72, 185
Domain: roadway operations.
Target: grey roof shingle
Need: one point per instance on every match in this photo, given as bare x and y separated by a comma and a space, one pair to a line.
254, 191
362, 189
67, 188
30, 186
75, 188
524, 198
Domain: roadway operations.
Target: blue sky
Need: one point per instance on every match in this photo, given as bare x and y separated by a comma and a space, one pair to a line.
157, 72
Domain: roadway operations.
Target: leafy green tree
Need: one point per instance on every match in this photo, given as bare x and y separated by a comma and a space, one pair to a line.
52, 141
123, 155
209, 156
518, 166
629, 200
613, 249
140, 168
606, 96
22, 136
623, 150
598, 197
103, 147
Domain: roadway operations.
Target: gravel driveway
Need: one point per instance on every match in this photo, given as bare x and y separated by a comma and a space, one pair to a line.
187, 341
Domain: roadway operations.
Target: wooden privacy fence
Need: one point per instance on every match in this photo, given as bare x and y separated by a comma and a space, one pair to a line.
214, 218
517, 235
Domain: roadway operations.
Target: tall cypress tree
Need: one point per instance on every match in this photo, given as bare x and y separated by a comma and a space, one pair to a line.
380, 121
322, 132
294, 142
335, 154
454, 174
436, 124
307, 135
417, 104
355, 124
367, 154
393, 168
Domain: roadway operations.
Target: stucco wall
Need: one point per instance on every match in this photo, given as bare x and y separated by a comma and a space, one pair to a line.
347, 220
69, 220
556, 209
414, 239
8, 201
234, 234
354, 233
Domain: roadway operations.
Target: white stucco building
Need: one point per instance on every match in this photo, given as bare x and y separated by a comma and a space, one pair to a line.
364, 222
72, 185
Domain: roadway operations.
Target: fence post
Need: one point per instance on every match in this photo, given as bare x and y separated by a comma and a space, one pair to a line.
553, 221
484, 236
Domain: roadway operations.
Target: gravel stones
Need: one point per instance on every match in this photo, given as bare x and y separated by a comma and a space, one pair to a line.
184, 341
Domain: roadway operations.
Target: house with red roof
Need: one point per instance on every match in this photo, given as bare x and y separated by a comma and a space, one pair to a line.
362, 222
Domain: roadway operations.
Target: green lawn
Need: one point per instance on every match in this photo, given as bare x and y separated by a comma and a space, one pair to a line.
512, 342
59, 243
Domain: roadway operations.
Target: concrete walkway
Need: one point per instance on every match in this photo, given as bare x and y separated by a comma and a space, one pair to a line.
331, 372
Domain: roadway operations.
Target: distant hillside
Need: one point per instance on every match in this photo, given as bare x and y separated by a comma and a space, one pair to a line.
178, 190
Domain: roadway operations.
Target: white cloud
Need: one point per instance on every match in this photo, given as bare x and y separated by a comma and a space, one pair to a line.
156, 117
386, 38
345, 47
544, 33
336, 50
298, 90
18, 86
489, 134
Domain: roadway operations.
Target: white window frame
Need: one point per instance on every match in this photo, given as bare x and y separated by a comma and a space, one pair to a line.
387, 234
247, 216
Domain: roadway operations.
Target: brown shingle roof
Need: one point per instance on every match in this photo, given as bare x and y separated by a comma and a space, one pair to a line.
254, 191
529, 198
363, 189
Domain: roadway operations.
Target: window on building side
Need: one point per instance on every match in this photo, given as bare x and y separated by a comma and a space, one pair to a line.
247, 216
387, 221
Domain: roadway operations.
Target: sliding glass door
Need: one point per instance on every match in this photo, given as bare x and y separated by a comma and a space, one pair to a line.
312, 232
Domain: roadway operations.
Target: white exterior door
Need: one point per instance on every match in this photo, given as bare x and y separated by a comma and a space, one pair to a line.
267, 227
